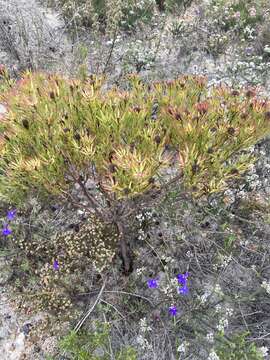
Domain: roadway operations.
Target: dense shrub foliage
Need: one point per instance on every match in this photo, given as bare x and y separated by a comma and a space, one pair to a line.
59, 132
200, 267
94, 345
124, 14
116, 146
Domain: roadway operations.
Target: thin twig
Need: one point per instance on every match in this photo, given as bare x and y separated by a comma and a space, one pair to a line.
131, 294
121, 292
80, 323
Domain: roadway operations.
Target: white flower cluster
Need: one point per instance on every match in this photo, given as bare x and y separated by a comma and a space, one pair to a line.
144, 327
148, 215
140, 52
222, 324
169, 287
189, 254
252, 69
217, 290
203, 298
143, 343
229, 312
213, 356
266, 285
140, 271
168, 290
249, 32
141, 234
210, 337
225, 260
182, 348
168, 260
141, 339
209, 291
144, 4
264, 350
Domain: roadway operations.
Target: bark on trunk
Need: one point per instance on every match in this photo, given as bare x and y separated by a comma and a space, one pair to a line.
125, 252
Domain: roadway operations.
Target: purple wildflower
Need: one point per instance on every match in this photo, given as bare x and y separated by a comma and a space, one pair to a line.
182, 278
173, 310
11, 214
6, 231
152, 283
56, 265
183, 290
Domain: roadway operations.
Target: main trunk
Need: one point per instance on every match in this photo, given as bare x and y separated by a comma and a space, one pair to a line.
124, 249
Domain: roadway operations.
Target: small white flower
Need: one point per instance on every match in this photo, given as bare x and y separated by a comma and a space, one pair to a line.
237, 15
140, 271
252, 12
264, 351
223, 324
218, 290
189, 254
203, 298
143, 342
267, 49
213, 356
183, 347
144, 326
266, 286
174, 282
229, 312
210, 337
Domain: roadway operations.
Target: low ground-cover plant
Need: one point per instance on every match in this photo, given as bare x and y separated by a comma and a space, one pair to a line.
94, 345
128, 14
233, 21
239, 14
115, 145
56, 266
238, 348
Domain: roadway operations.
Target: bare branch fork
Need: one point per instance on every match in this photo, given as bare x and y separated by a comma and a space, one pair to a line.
117, 214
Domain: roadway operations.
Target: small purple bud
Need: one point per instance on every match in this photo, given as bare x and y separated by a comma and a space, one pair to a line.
56, 265
152, 283
173, 310
11, 214
6, 231
182, 278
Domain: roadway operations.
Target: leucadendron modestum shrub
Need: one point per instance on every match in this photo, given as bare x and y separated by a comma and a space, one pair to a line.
59, 132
